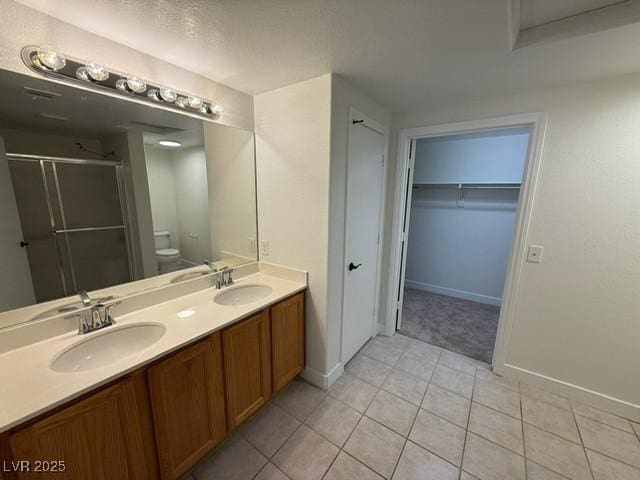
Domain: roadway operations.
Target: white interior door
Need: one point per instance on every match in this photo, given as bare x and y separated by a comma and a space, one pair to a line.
13, 262
406, 218
364, 200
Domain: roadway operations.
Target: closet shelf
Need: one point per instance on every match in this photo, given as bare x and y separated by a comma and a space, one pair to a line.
470, 186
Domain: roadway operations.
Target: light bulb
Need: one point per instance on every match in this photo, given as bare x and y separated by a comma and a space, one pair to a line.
153, 94
168, 95
136, 85
217, 109
83, 74
181, 102
97, 71
51, 59
195, 102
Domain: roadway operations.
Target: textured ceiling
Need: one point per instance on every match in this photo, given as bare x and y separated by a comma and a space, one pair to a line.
407, 54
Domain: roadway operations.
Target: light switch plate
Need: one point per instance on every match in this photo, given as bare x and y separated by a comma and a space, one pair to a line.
252, 245
264, 248
534, 254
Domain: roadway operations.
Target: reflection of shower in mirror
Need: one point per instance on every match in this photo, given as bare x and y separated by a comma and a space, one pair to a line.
101, 192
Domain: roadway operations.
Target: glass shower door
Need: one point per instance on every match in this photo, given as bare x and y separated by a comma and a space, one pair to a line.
72, 215
92, 224
44, 254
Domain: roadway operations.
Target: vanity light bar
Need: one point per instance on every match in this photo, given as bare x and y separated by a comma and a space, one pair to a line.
48, 62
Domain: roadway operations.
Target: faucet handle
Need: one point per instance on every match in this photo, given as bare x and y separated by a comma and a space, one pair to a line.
98, 313
109, 318
84, 319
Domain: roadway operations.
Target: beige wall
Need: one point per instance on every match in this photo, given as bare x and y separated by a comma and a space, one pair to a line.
231, 179
162, 192
21, 26
192, 203
292, 152
301, 149
129, 149
578, 312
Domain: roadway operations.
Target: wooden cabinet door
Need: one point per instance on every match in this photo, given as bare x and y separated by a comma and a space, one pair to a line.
105, 436
247, 367
287, 340
6, 458
187, 399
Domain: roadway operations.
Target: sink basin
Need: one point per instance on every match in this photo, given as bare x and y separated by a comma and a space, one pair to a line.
106, 347
242, 294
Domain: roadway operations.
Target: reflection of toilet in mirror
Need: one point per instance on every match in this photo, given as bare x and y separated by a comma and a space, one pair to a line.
168, 258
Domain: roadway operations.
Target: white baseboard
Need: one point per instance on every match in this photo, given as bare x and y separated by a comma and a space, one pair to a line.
321, 380
610, 404
452, 292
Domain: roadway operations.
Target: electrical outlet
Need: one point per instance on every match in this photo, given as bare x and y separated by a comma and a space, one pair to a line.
252, 245
264, 248
534, 254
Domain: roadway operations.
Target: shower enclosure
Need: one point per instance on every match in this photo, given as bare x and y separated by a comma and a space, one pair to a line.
73, 218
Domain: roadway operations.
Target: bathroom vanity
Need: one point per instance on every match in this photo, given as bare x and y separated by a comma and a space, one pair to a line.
155, 413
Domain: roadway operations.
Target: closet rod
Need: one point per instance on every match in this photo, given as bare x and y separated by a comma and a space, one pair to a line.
470, 186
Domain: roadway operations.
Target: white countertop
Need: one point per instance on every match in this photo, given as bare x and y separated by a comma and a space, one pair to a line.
28, 387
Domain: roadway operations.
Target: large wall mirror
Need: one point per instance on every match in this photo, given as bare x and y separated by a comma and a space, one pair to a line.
97, 191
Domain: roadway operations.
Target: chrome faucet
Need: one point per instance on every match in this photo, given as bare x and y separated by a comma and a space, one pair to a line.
211, 266
94, 317
224, 278
85, 298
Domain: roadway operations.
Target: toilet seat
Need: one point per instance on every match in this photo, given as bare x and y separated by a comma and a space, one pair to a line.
167, 252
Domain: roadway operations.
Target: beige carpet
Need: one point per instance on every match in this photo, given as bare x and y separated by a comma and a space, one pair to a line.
455, 324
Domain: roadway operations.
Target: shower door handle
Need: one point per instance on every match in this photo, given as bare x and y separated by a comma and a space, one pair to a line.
23, 244
354, 267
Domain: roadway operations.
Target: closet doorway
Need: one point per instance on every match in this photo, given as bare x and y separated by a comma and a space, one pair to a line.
460, 219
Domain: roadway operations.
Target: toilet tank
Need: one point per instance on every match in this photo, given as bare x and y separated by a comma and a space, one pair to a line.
162, 239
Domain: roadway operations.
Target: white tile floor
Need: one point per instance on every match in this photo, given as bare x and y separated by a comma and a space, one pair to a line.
408, 410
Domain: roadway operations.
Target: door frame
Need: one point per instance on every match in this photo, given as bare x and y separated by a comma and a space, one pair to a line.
383, 130
537, 122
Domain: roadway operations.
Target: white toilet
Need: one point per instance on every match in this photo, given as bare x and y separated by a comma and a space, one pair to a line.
168, 258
